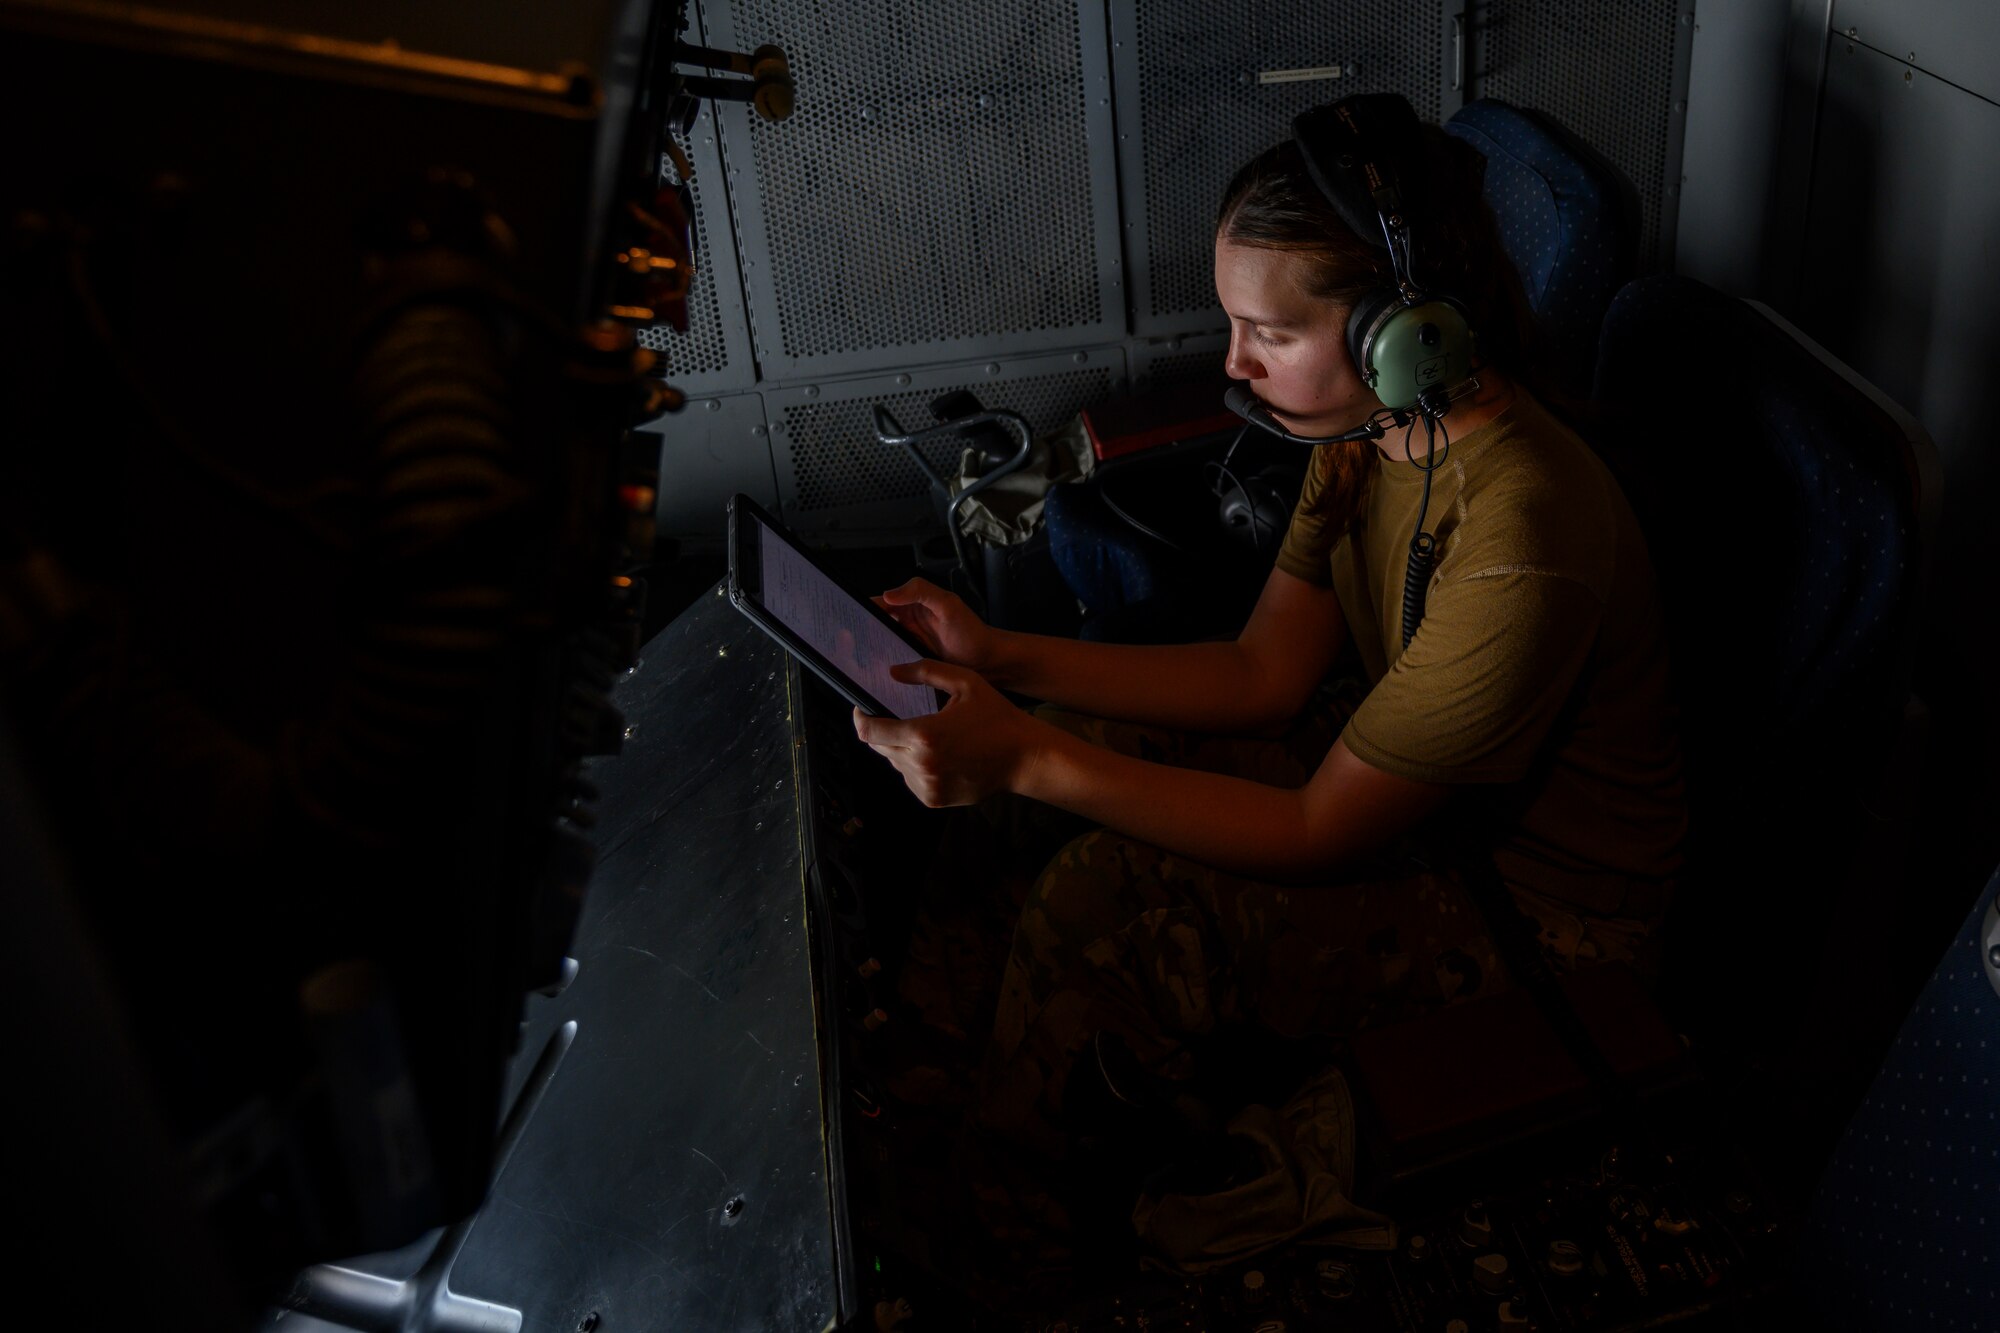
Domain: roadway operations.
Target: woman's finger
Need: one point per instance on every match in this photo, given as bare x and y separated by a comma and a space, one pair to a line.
907, 593
881, 733
953, 680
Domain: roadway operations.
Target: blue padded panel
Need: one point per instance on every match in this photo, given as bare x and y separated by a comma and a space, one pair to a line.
1780, 517
1562, 221
1905, 1233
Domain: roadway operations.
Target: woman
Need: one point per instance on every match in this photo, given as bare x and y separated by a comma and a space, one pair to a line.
1532, 701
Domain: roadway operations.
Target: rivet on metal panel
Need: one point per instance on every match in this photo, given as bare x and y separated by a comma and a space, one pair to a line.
1908, 77
993, 367
902, 379
983, 101
812, 390
713, 405
1080, 357
757, 430
1680, 108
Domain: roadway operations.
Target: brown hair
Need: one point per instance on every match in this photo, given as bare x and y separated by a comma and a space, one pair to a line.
1272, 204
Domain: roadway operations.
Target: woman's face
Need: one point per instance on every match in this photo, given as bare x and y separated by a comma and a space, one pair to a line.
1291, 347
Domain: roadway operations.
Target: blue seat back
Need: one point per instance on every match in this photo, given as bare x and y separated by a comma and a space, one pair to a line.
1782, 505
1566, 219
1785, 504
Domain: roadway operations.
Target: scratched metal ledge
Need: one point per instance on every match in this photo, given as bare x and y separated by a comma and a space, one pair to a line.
663, 1164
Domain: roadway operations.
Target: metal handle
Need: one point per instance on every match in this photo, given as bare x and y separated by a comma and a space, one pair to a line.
889, 431
1458, 51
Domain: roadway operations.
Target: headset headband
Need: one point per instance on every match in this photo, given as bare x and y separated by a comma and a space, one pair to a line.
1350, 149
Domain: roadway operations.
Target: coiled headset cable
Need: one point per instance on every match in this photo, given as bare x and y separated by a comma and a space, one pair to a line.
1431, 407
1423, 545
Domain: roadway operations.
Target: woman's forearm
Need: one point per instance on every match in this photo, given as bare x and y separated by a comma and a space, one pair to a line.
1192, 686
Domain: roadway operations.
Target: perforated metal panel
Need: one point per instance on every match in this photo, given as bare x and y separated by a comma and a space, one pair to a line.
833, 474
1614, 74
953, 192
713, 356
942, 190
1204, 86
1159, 364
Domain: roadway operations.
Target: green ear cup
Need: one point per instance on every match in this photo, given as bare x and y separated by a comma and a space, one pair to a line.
1412, 348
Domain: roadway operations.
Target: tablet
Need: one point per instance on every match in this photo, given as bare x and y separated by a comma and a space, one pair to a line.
847, 641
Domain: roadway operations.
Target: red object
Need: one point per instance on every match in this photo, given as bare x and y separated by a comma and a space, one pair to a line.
1184, 410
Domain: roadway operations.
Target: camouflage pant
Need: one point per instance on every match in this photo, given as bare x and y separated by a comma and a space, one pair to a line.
1122, 936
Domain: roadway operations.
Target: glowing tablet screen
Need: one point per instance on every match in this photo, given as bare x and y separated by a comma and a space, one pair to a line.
839, 628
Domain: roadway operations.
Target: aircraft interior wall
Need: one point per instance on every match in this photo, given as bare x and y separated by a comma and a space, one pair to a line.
1836, 169
1017, 200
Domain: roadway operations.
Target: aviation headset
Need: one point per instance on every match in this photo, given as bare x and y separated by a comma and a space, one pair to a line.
1412, 347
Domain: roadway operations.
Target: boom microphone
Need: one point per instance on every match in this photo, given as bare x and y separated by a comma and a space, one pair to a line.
1245, 404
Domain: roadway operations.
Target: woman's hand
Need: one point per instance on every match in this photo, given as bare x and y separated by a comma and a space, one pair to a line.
976, 745
942, 623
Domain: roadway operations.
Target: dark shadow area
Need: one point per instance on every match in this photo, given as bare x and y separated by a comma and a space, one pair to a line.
1884, 951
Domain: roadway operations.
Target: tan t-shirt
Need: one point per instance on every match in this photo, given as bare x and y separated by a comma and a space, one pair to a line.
1540, 668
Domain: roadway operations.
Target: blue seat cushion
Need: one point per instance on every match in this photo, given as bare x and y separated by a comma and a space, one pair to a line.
1906, 1229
